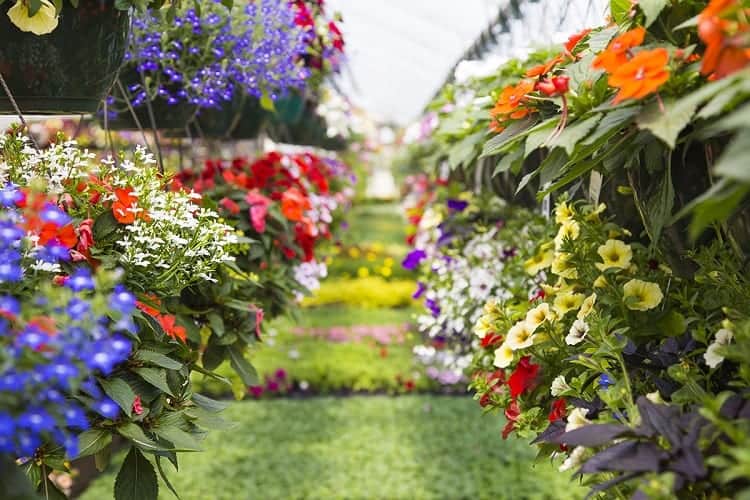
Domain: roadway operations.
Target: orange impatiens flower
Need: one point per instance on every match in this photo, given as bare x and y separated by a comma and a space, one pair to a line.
512, 100
572, 42
545, 68
642, 75
294, 204
723, 27
125, 208
617, 52
171, 328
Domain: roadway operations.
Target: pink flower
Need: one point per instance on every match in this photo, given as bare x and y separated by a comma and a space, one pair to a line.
255, 390
137, 406
85, 236
258, 209
258, 321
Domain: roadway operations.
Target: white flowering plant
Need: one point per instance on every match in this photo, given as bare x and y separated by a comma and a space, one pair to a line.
608, 342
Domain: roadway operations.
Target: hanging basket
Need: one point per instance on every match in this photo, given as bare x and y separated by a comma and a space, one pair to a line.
242, 118
290, 109
68, 71
251, 121
166, 117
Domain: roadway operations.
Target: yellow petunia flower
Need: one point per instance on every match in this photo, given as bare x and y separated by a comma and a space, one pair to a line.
483, 326
354, 252
567, 301
371, 256
614, 254
520, 336
562, 267
642, 295
569, 230
503, 356
540, 261
539, 315
587, 307
593, 216
600, 282
388, 262
41, 23
386, 272
564, 212
363, 272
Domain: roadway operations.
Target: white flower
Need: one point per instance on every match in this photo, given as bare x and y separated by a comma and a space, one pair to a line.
578, 331
520, 336
539, 315
481, 284
577, 419
711, 356
574, 459
559, 386
503, 356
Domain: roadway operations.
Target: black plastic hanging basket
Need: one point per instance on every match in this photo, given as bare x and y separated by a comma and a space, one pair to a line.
68, 71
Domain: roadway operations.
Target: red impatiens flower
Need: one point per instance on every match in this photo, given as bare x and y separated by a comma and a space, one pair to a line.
558, 410
523, 377
229, 205
125, 208
512, 413
644, 74
258, 209
65, 236
491, 340
294, 204
545, 68
171, 328
138, 405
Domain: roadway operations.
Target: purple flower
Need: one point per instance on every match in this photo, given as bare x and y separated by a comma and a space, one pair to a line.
413, 259
9, 305
433, 306
421, 288
280, 374
10, 196
457, 205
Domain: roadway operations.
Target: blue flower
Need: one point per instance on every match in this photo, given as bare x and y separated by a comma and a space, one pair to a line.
457, 205
10, 196
604, 381
27, 443
36, 420
32, 337
10, 305
75, 417
54, 252
421, 288
78, 309
52, 213
107, 408
80, 280
122, 300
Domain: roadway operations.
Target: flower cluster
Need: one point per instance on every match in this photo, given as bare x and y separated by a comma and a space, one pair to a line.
324, 39
207, 57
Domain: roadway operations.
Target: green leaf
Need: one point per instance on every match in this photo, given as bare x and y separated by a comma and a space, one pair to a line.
463, 151
120, 392
599, 40
216, 323
573, 134
156, 377
104, 226
34, 6
651, 9
101, 459
207, 419
180, 439
515, 131
509, 160
735, 161
14, 484
667, 124
93, 441
267, 103
209, 404
659, 206
538, 136
157, 359
165, 478
243, 368
136, 479
614, 119
582, 71
135, 434
619, 10
715, 205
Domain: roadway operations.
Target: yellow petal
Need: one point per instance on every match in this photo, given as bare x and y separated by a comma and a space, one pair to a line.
41, 23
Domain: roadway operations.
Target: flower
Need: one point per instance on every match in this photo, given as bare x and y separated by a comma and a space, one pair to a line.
520, 336
258, 210
558, 410
538, 262
578, 331
167, 322
523, 377
644, 74
539, 315
559, 386
642, 295
545, 68
573, 460
569, 230
587, 307
294, 204
42, 22
503, 356
413, 258
125, 208
137, 405
600, 281
562, 267
512, 412
564, 212
725, 50
567, 301
511, 103
722, 339
573, 41
577, 419
614, 253
616, 53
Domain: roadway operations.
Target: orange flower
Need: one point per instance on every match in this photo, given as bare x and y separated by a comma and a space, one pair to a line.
173, 330
572, 42
65, 235
725, 39
642, 75
125, 208
616, 53
511, 101
294, 204
545, 68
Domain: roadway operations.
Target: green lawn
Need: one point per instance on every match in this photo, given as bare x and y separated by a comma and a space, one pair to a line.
377, 222
410, 447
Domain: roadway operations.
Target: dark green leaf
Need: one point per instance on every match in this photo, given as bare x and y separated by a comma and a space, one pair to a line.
104, 226
209, 404
180, 439
515, 131
735, 161
49, 491
667, 124
93, 441
135, 434
136, 479
651, 9
34, 6
14, 484
101, 458
156, 377
659, 206
510, 159
243, 368
157, 359
216, 323
574, 133
117, 389
165, 478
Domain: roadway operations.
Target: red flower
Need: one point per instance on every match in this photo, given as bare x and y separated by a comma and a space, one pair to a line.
125, 208
258, 321
511, 413
85, 236
137, 406
409, 385
558, 410
485, 400
255, 390
523, 377
173, 330
229, 205
294, 204
65, 236
491, 340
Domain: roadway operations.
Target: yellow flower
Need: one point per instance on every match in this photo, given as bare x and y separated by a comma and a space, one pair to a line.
562, 267
540, 261
564, 212
569, 230
520, 336
503, 356
614, 253
539, 315
587, 307
371, 256
642, 295
559, 287
363, 272
567, 301
483, 327
377, 247
388, 262
600, 282
41, 23
354, 252
386, 271
593, 216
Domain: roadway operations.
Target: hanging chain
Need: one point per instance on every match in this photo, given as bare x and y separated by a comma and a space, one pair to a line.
18, 110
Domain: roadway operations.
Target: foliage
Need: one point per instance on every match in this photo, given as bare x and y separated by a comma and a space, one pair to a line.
398, 447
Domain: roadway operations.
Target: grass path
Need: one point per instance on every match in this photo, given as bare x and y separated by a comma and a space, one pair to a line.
409, 447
